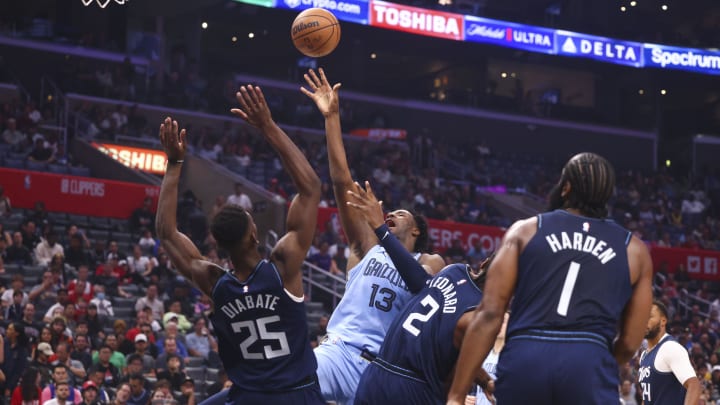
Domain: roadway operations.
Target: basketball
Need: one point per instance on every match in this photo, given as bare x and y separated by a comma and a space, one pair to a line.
315, 32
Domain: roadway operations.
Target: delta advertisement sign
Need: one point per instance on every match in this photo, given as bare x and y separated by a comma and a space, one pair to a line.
147, 160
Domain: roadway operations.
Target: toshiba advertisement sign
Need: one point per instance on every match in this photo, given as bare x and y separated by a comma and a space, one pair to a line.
147, 160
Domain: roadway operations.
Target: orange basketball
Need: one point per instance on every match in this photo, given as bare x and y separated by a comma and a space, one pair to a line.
315, 32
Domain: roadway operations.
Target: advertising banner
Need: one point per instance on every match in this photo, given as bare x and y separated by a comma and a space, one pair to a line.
599, 48
416, 20
526, 37
700, 264
349, 10
691, 60
379, 134
75, 195
148, 160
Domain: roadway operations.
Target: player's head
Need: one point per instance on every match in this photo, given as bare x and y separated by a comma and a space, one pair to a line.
234, 229
658, 320
480, 275
406, 224
587, 182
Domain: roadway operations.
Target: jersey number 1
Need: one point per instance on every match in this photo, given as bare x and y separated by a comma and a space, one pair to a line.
262, 323
568, 288
434, 306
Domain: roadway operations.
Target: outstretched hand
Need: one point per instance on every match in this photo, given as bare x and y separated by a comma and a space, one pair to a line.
173, 142
254, 110
324, 95
366, 203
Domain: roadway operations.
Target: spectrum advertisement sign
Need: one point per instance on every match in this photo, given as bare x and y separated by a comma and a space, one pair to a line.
692, 60
350, 10
508, 34
599, 48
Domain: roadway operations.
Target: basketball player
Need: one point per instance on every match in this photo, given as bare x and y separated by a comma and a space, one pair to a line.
259, 313
575, 276
375, 292
666, 374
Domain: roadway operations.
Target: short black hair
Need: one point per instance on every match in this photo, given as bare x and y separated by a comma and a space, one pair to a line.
229, 226
422, 243
662, 308
592, 183
136, 376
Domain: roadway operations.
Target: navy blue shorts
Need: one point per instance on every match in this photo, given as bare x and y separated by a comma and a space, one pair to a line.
308, 396
556, 373
379, 387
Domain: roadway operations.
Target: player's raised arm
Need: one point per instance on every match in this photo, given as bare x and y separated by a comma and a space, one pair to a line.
292, 248
637, 311
360, 236
365, 203
184, 255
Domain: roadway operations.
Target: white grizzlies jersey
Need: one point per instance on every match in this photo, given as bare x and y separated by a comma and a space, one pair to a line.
489, 365
375, 293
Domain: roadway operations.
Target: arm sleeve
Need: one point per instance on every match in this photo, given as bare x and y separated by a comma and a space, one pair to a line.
410, 269
673, 357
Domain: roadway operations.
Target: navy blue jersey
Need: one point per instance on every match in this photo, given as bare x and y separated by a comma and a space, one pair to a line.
659, 387
572, 276
419, 344
262, 332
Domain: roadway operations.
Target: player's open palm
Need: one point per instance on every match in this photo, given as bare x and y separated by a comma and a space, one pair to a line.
254, 109
172, 141
323, 94
367, 204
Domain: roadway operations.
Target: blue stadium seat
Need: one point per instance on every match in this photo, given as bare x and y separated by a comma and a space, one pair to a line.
14, 163
59, 169
80, 171
36, 166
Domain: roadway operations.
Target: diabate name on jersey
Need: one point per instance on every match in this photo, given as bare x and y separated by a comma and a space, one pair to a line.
256, 301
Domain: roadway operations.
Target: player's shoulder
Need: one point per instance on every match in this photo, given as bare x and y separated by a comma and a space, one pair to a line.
433, 263
672, 347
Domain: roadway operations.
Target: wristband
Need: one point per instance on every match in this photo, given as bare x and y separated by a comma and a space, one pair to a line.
382, 232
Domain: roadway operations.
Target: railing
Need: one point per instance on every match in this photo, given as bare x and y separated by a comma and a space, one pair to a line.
311, 273
50, 92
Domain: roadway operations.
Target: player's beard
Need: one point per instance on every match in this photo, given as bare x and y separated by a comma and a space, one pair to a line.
653, 332
555, 199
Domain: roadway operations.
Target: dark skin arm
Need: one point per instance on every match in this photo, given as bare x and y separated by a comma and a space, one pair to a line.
184, 255
291, 249
637, 311
488, 317
360, 237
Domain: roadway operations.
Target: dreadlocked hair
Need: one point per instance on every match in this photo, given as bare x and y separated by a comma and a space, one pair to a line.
229, 226
422, 243
592, 183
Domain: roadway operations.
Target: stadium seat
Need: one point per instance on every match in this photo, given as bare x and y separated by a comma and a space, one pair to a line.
99, 223
58, 169
195, 361
80, 171
33, 272
36, 166
14, 163
196, 373
123, 312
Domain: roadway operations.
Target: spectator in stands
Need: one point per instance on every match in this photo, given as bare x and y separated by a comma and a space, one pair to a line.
170, 348
41, 361
110, 372
147, 362
124, 345
116, 357
18, 283
148, 244
456, 252
143, 217
177, 315
5, 205
171, 371
109, 276
54, 389
98, 377
30, 239
81, 286
320, 331
203, 307
62, 299
14, 311
218, 385
40, 151
172, 332
75, 254
123, 394
40, 217
278, 189
18, 253
90, 394
27, 392
151, 300
31, 329
15, 353
139, 395
200, 342
60, 332
45, 294
161, 275
241, 199
81, 351
139, 266
322, 258
187, 391
14, 137
95, 322
76, 368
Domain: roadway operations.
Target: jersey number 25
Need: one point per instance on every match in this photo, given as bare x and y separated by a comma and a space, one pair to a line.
268, 352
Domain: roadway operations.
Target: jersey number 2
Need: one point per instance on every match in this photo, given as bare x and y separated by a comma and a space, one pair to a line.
434, 306
568, 288
262, 323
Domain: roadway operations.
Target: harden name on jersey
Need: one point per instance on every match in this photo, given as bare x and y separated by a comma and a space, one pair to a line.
581, 242
258, 301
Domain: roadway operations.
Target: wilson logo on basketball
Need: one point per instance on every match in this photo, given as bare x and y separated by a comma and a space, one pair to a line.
298, 28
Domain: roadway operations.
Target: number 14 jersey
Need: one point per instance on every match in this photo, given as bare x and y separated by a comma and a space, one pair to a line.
262, 332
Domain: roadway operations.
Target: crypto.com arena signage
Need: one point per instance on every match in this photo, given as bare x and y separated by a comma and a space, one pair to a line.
458, 27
